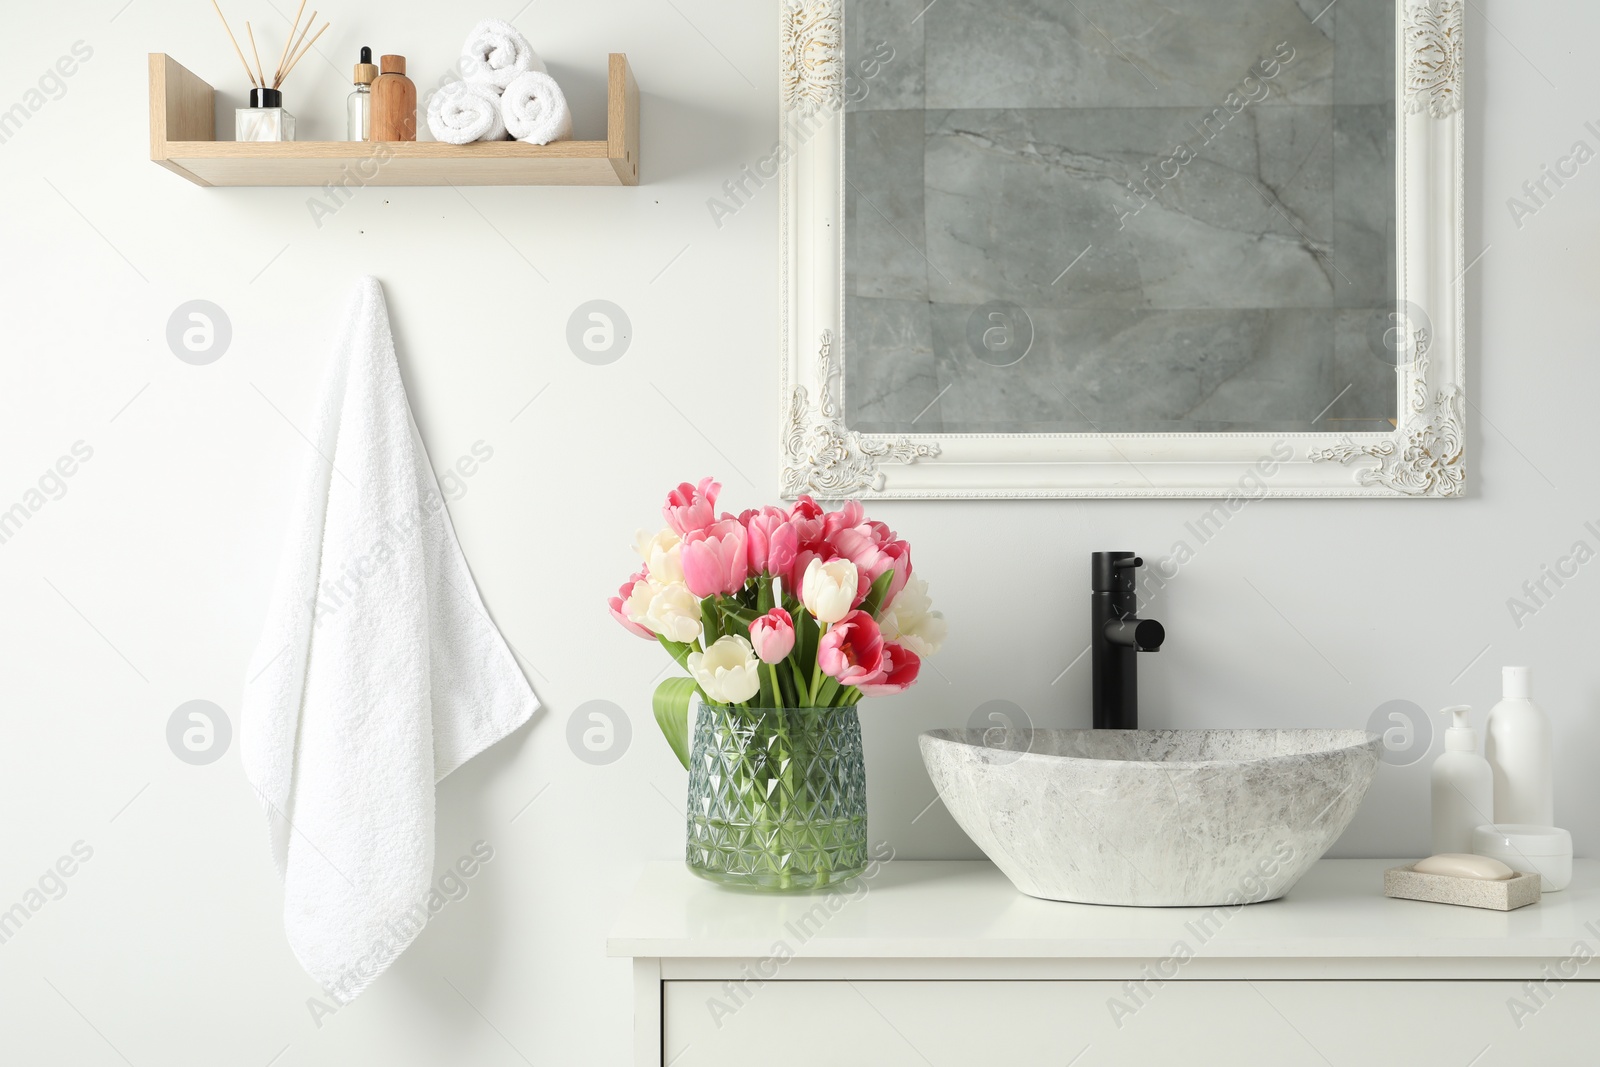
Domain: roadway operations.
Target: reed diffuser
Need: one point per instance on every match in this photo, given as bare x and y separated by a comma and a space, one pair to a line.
266, 119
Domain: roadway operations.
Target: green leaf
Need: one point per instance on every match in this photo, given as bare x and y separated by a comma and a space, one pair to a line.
823, 697
672, 701
788, 697
677, 650
742, 616
763, 595
875, 595
800, 687
806, 637
709, 621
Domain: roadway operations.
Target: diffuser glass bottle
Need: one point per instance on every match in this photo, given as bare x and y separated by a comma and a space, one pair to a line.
359, 108
265, 119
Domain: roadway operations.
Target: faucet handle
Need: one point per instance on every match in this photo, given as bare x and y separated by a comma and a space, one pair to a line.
1113, 572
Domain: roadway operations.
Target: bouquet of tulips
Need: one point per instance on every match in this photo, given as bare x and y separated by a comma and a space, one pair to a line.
776, 608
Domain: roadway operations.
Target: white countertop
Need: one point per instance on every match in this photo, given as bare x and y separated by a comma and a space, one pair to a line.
967, 909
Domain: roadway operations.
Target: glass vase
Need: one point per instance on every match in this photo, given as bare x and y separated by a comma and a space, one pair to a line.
777, 797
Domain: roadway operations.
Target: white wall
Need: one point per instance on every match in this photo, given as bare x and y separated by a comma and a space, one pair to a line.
143, 586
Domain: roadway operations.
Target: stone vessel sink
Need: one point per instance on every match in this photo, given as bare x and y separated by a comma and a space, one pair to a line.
1153, 818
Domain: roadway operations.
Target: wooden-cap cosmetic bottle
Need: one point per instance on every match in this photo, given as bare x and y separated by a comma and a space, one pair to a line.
394, 102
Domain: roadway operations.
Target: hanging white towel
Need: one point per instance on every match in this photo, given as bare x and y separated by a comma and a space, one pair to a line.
379, 672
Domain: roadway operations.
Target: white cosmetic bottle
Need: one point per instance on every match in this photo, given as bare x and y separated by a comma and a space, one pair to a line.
1463, 787
1521, 750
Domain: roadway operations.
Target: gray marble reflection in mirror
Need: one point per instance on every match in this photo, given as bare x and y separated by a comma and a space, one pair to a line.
1120, 216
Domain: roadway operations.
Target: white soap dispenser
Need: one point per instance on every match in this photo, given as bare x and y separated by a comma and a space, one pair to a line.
1463, 787
1521, 750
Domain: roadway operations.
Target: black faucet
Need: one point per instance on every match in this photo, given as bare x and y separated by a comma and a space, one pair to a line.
1116, 636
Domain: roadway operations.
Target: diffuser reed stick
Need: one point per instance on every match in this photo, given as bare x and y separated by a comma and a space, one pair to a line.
236, 49
256, 52
277, 76
301, 54
293, 51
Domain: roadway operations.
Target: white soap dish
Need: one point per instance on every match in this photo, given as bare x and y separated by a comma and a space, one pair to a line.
1508, 894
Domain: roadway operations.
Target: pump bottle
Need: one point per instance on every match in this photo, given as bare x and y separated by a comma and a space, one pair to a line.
1463, 787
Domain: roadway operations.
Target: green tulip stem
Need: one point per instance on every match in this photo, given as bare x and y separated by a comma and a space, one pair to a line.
816, 668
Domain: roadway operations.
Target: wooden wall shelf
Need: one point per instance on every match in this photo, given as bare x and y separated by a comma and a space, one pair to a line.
182, 139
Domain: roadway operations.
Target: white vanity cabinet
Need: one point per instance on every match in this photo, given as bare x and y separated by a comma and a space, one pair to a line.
944, 963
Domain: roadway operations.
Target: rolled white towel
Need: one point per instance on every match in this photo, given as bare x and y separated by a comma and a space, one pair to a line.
536, 109
463, 112
496, 53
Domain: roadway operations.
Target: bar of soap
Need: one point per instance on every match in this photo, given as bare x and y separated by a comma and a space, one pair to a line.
1461, 865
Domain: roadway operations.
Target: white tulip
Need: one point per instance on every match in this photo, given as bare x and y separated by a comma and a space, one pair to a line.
728, 672
667, 609
911, 621
661, 555
829, 589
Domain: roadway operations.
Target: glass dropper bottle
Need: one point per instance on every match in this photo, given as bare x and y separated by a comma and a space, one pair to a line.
360, 104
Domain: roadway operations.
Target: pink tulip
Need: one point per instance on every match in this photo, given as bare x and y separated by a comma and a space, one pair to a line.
898, 673
715, 559
806, 508
890, 544
848, 533
850, 515
773, 541
881, 531
852, 650
860, 545
772, 636
899, 554
807, 518
617, 603
690, 508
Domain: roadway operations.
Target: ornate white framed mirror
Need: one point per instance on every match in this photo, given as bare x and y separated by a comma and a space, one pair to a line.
1122, 248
